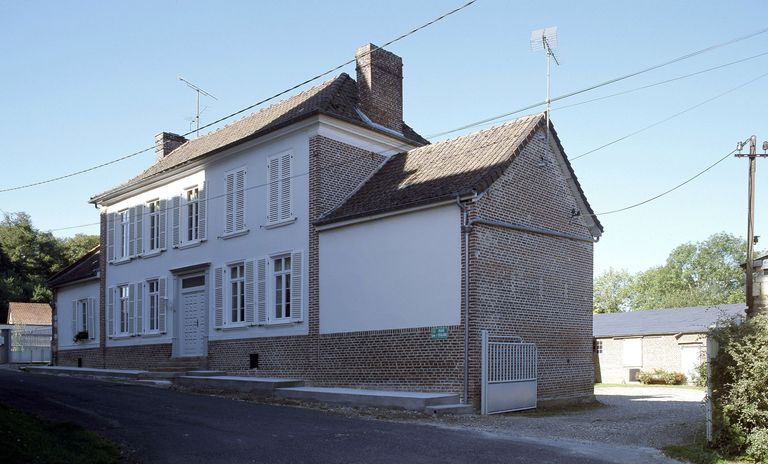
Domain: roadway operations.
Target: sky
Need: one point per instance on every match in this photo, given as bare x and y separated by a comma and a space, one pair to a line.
87, 82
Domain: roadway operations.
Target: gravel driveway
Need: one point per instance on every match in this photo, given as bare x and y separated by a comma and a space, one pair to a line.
635, 416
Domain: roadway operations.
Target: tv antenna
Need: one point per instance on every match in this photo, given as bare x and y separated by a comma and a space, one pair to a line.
546, 39
199, 91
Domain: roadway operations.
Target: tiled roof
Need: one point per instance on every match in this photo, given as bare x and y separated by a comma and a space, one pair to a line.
336, 97
443, 171
695, 319
85, 267
29, 313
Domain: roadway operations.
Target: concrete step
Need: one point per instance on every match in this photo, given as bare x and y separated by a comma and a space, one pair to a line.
231, 383
85, 371
454, 409
415, 401
206, 373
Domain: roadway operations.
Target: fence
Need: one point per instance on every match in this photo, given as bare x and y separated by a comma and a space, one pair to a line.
29, 344
509, 371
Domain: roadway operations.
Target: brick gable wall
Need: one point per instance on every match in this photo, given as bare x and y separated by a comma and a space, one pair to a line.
530, 285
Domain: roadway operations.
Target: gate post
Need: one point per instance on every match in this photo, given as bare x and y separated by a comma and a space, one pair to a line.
484, 373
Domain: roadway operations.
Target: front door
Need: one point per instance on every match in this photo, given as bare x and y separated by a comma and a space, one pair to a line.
194, 305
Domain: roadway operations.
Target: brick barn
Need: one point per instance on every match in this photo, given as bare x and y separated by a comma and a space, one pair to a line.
323, 238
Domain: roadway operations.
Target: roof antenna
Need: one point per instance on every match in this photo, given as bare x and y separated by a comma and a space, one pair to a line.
199, 91
546, 39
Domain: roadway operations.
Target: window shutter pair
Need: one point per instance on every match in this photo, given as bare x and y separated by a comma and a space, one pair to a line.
219, 296
263, 288
279, 169
177, 221
110, 237
111, 311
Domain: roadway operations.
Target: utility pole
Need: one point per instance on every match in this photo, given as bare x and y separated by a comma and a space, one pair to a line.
751, 217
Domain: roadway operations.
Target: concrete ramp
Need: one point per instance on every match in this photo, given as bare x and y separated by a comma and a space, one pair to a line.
415, 401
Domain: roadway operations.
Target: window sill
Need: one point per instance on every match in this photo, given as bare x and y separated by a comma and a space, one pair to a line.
192, 244
281, 223
121, 337
281, 323
152, 334
233, 327
152, 254
120, 261
239, 233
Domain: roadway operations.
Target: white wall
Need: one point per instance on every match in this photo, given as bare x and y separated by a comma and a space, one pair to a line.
64, 298
397, 272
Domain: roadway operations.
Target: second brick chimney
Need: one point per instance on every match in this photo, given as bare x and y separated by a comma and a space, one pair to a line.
380, 86
166, 142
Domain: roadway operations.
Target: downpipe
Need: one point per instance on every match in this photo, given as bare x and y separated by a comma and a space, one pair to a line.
465, 228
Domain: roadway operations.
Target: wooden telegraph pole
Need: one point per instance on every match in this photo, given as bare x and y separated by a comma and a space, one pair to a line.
752, 156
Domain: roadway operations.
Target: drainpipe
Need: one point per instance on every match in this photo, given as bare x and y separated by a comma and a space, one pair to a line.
465, 228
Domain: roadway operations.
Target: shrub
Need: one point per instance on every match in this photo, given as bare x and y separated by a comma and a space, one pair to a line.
700, 380
661, 377
738, 381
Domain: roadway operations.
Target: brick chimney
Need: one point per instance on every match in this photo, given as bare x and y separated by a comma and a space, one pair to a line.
380, 86
166, 142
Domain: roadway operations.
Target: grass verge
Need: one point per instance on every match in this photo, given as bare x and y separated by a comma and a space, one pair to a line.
697, 454
29, 439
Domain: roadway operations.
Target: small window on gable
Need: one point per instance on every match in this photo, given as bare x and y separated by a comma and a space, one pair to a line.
280, 205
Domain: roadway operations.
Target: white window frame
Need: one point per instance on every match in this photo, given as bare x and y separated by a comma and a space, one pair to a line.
283, 298
152, 296
81, 316
239, 281
191, 213
153, 226
123, 235
283, 186
123, 309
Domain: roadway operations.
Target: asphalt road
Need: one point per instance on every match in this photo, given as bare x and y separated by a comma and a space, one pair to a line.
157, 425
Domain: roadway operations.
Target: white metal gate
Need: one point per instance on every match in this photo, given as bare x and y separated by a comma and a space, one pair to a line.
509, 372
30, 344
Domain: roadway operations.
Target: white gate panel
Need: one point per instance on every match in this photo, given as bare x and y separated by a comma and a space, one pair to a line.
509, 370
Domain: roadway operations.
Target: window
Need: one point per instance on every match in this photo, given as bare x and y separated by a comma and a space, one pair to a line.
82, 310
153, 305
123, 308
279, 168
192, 214
234, 216
124, 233
237, 293
598, 346
633, 352
153, 212
281, 278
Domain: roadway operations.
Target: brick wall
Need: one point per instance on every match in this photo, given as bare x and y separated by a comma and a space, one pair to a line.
531, 285
380, 85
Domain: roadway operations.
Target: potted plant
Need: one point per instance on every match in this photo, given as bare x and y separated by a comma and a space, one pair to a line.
80, 336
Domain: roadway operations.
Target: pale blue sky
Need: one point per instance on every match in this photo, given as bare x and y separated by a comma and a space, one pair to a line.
85, 82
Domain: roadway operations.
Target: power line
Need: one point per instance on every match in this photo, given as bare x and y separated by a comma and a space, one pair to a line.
668, 118
247, 108
602, 84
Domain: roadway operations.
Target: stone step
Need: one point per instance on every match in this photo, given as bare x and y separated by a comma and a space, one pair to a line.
206, 373
445, 409
230, 383
85, 371
415, 401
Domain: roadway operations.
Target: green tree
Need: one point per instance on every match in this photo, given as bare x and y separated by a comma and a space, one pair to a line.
75, 247
612, 291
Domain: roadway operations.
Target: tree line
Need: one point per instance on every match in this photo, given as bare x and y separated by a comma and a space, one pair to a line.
695, 274
28, 257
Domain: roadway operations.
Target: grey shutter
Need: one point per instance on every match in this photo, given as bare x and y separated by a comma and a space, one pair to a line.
132, 308
110, 237
132, 231
285, 187
74, 319
139, 230
274, 190
240, 200
175, 212
202, 211
249, 293
91, 318
218, 297
140, 307
161, 224
261, 290
162, 303
296, 288
229, 204
110, 311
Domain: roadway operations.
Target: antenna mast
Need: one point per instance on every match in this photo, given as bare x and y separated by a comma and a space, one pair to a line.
199, 91
546, 39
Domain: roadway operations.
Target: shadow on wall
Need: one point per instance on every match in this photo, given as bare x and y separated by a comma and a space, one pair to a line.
598, 376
